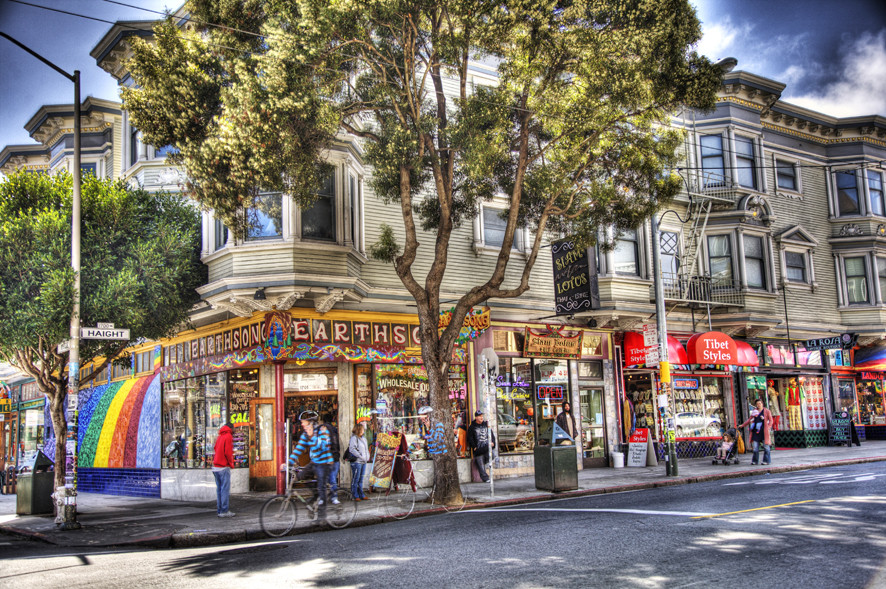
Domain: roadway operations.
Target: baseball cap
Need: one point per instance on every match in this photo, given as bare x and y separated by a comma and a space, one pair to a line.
477, 412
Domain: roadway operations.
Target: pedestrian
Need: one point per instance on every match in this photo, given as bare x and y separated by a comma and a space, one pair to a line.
480, 441
434, 436
360, 451
222, 463
315, 441
335, 450
761, 424
566, 421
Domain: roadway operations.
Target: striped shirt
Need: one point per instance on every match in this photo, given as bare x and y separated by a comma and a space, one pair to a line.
436, 439
318, 445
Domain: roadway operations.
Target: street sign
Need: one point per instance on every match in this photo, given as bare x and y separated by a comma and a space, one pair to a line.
652, 357
104, 333
65, 346
650, 334
105, 325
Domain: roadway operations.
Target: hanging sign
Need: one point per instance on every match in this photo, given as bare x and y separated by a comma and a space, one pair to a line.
476, 322
638, 445
551, 343
712, 347
844, 340
572, 279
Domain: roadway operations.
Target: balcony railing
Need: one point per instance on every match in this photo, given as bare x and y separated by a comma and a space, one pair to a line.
701, 290
715, 186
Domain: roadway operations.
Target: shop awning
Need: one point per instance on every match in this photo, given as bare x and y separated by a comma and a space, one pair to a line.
635, 351
871, 358
712, 347
746, 354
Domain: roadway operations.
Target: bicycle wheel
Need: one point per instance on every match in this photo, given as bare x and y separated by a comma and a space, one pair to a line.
277, 516
400, 502
341, 515
457, 506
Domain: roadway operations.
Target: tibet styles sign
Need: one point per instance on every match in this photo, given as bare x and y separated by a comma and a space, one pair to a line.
573, 278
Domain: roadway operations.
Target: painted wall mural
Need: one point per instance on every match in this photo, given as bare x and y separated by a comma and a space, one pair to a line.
119, 425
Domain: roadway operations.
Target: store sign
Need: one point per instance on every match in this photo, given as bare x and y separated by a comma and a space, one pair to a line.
513, 394
476, 322
840, 431
712, 347
574, 283
5, 405
552, 344
686, 383
844, 340
873, 375
638, 447
548, 392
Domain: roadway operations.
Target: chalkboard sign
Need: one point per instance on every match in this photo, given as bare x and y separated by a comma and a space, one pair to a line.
842, 430
573, 279
383, 467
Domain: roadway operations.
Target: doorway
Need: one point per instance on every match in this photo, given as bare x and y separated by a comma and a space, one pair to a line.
593, 429
262, 471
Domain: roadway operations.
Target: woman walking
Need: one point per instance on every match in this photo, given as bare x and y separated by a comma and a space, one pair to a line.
360, 449
761, 424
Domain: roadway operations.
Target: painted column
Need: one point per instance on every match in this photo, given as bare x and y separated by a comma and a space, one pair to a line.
280, 422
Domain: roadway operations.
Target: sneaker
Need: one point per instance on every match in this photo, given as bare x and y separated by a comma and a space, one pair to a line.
754, 463
335, 501
765, 464
226, 514
318, 504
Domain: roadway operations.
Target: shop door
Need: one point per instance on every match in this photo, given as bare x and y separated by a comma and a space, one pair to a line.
262, 469
593, 428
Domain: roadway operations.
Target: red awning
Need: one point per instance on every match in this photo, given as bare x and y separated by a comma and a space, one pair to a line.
712, 347
635, 351
746, 354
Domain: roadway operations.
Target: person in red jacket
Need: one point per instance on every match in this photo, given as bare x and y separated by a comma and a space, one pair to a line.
221, 469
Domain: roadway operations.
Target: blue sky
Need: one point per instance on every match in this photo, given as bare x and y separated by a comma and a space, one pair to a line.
831, 55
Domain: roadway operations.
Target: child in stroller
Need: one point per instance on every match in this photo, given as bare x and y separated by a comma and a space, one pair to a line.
726, 453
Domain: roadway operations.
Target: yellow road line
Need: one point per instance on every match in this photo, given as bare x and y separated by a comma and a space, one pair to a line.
754, 509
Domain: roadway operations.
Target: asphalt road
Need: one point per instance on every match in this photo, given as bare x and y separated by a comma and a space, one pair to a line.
817, 528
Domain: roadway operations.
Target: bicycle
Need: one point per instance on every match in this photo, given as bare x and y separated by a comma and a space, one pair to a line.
279, 514
400, 500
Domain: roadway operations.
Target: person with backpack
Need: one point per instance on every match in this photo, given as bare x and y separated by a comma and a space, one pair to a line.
315, 441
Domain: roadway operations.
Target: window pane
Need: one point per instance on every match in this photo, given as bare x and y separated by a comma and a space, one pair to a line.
744, 161
624, 256
318, 222
221, 234
847, 193
266, 217
720, 257
493, 227
754, 271
753, 246
856, 280
713, 171
875, 186
786, 175
513, 401
881, 272
796, 266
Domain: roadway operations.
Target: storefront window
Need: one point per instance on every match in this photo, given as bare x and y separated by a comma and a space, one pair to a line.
701, 408
31, 434
513, 401
193, 410
551, 390
242, 390
845, 398
870, 402
401, 390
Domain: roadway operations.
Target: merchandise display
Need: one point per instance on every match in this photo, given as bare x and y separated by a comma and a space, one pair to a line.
815, 405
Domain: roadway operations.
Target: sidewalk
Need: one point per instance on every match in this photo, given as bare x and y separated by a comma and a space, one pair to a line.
130, 521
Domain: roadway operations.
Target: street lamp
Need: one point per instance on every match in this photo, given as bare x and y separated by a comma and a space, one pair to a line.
68, 516
666, 397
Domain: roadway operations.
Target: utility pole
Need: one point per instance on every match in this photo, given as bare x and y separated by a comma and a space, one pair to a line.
665, 397
67, 516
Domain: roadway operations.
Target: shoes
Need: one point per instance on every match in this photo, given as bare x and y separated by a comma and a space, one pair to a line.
486, 480
319, 504
335, 501
765, 464
754, 463
226, 514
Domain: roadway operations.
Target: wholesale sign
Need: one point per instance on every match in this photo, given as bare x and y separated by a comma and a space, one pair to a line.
573, 279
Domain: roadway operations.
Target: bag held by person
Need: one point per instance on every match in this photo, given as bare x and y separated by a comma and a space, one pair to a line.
739, 444
349, 456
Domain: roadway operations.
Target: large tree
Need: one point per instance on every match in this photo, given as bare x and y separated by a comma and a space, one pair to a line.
140, 268
574, 134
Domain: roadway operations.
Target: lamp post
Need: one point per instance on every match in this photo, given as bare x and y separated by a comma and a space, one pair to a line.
666, 396
68, 515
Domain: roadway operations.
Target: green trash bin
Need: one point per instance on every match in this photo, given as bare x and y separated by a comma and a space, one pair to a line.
556, 468
34, 489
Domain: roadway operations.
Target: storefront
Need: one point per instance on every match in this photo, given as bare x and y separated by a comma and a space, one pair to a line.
794, 385
539, 368
8, 425
702, 403
869, 410
32, 420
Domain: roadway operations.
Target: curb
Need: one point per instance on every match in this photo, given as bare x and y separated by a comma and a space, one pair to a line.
197, 539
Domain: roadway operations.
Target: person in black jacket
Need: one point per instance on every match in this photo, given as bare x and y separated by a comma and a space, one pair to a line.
480, 441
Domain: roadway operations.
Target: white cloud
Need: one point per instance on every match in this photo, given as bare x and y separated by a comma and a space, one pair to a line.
721, 38
860, 88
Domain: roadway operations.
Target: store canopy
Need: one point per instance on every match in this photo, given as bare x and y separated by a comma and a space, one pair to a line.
712, 347
746, 354
871, 358
635, 351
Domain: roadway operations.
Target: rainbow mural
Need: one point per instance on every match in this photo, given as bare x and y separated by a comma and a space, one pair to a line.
119, 425
871, 358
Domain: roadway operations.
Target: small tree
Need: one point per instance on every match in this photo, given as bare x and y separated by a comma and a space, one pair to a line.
140, 267
574, 134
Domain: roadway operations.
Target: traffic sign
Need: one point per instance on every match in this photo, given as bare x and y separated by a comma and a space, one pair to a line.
65, 346
104, 333
650, 334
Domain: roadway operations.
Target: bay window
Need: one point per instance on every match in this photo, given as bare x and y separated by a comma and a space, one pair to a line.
626, 255
745, 165
754, 261
720, 258
856, 280
713, 165
875, 190
847, 193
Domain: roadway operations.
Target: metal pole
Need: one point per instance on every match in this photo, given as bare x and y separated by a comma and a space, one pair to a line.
70, 509
487, 387
69, 512
664, 365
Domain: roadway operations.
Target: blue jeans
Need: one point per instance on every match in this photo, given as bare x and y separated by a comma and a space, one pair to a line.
756, 457
222, 489
333, 475
358, 469
322, 473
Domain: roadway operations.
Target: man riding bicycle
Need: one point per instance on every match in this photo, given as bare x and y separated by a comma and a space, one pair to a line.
315, 441
434, 436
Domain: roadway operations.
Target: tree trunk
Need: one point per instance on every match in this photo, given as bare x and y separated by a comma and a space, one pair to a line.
60, 427
448, 489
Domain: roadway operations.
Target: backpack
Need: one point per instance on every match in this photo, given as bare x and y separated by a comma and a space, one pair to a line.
334, 443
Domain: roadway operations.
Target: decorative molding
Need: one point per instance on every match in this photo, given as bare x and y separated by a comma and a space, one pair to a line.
867, 340
325, 303
285, 302
850, 229
170, 176
799, 197
881, 230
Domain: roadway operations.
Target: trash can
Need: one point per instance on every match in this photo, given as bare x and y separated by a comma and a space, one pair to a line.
34, 489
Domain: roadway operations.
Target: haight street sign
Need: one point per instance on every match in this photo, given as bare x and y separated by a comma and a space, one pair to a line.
104, 333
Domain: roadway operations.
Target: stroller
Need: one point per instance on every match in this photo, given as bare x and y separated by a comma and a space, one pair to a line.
732, 454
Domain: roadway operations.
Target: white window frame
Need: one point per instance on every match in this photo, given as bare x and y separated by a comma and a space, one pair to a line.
834, 196
795, 166
480, 245
867, 191
843, 283
752, 140
730, 235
